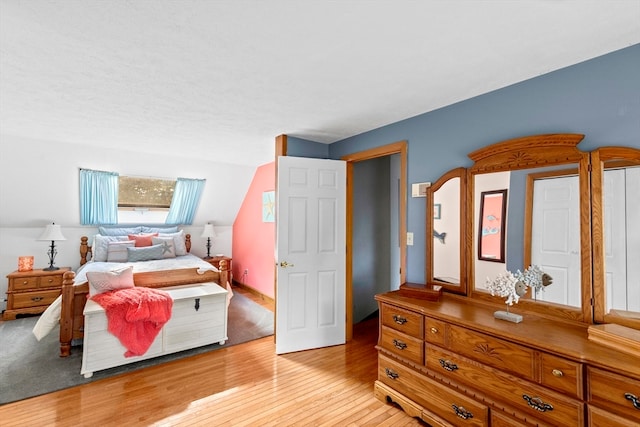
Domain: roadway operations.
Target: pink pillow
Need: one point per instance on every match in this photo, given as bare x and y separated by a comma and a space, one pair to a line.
142, 239
104, 281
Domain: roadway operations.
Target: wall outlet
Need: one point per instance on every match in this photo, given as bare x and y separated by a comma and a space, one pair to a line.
246, 271
409, 239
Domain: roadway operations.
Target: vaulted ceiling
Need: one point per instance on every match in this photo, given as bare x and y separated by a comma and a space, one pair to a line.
221, 79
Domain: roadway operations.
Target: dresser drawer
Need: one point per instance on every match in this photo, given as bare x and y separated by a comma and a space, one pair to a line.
491, 351
434, 331
613, 392
448, 404
405, 321
550, 407
402, 344
600, 418
561, 374
23, 283
33, 299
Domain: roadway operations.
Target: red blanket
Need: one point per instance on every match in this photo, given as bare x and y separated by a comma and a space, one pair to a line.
135, 316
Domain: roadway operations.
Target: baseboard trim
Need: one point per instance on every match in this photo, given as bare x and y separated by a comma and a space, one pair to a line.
255, 292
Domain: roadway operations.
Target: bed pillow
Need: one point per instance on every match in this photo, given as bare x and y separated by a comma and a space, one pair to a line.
104, 281
142, 239
178, 241
168, 246
117, 251
100, 247
145, 253
119, 231
145, 229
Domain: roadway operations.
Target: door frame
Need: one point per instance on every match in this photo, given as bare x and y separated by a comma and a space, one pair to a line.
399, 147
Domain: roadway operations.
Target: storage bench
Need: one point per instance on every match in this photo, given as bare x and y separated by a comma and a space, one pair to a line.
198, 318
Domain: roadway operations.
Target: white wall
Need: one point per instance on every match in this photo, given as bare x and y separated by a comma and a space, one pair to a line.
39, 185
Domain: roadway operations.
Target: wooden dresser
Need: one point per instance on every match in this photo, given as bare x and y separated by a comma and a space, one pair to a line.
452, 363
31, 292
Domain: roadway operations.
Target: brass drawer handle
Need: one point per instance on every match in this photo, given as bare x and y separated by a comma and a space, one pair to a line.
399, 344
434, 330
391, 373
26, 282
448, 365
634, 400
537, 403
557, 373
37, 299
399, 319
461, 412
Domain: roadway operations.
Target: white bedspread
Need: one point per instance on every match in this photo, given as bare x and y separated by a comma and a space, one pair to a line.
51, 316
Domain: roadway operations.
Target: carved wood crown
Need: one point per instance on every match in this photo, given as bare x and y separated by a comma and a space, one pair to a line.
527, 152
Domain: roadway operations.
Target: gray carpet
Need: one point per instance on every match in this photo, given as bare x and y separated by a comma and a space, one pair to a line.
29, 368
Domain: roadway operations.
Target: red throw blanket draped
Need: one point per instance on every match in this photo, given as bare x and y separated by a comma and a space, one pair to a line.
135, 316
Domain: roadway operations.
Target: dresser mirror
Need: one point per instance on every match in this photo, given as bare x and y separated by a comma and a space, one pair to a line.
616, 235
545, 176
445, 232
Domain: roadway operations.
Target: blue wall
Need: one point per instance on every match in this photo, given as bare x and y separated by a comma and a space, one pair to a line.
599, 98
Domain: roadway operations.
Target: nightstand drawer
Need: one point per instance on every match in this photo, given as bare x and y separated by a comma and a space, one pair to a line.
23, 283
50, 281
33, 299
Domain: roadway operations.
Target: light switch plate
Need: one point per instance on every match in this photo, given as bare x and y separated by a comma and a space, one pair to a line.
419, 189
409, 239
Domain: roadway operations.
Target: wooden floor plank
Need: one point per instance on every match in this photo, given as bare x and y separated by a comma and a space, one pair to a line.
242, 385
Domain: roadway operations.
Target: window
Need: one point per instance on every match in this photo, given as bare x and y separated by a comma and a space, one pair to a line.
144, 199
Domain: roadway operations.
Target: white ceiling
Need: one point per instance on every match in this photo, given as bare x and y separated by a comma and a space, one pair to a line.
220, 80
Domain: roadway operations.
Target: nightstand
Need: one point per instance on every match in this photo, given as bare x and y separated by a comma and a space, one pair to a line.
31, 292
215, 261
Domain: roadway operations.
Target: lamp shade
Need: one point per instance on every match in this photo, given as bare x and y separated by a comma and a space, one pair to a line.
52, 232
208, 231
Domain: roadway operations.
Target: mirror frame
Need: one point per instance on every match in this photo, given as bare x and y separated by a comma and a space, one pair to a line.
527, 153
598, 159
461, 288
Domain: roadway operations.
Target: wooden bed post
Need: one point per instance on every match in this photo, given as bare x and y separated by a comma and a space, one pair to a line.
66, 313
84, 249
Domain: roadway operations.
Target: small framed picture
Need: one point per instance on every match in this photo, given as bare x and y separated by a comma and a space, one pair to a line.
437, 211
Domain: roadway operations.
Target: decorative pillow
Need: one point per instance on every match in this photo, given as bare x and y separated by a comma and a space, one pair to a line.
178, 241
117, 251
142, 239
119, 231
146, 229
100, 247
145, 253
168, 246
104, 281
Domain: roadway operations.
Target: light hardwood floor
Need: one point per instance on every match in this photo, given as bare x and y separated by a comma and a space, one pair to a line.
242, 385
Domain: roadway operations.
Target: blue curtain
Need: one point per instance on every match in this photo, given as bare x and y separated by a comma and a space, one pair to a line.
98, 197
185, 201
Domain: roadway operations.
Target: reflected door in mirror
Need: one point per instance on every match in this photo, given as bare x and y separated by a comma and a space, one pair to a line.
555, 237
621, 196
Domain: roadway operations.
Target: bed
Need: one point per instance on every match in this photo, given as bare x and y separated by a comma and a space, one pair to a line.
182, 269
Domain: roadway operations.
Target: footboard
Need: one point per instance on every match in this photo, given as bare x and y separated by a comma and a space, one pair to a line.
74, 297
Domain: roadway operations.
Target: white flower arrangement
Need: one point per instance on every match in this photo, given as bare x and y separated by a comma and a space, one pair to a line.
513, 286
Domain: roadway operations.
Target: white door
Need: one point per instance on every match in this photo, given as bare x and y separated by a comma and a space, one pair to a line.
310, 254
555, 237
